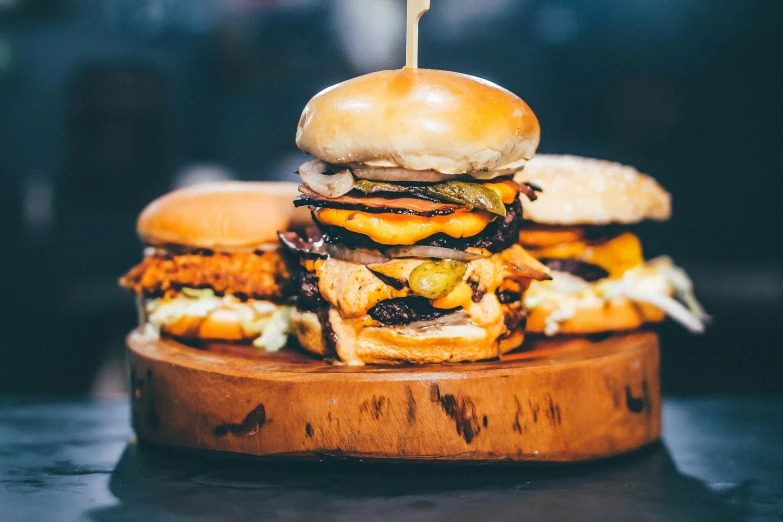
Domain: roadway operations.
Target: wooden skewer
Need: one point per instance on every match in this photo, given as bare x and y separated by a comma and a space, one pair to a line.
416, 8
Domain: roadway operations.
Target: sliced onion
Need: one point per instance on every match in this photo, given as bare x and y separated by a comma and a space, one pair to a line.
328, 185
394, 174
399, 174
312, 245
362, 257
433, 252
458, 318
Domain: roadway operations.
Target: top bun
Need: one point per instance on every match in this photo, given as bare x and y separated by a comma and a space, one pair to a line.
584, 191
228, 215
419, 119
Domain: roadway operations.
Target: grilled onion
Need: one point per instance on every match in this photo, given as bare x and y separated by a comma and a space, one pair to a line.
328, 185
399, 174
361, 257
432, 252
458, 318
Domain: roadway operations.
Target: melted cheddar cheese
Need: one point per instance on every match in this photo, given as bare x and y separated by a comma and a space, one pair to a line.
616, 256
400, 229
460, 295
506, 192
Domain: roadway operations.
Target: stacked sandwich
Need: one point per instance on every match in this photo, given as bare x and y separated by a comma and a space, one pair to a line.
581, 228
213, 269
412, 189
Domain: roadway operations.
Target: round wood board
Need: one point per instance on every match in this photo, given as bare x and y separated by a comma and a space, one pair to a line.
560, 400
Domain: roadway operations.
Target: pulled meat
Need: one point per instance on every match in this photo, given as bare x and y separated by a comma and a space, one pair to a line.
497, 236
587, 271
406, 310
265, 275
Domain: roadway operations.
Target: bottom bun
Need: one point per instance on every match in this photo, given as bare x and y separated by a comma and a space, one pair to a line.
615, 315
403, 344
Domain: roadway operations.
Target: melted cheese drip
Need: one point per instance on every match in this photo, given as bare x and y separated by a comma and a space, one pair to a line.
266, 322
507, 193
401, 229
461, 295
616, 256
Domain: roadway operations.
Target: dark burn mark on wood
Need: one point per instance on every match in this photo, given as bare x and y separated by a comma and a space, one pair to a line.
375, 407
434, 392
411, 401
517, 416
635, 404
534, 409
463, 413
308, 430
250, 425
553, 412
484, 421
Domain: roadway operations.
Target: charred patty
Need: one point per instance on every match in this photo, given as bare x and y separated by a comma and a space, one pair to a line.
497, 236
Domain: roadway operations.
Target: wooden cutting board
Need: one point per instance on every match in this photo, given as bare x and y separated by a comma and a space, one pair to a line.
560, 400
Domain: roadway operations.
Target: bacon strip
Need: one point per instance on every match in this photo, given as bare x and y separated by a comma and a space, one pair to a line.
392, 204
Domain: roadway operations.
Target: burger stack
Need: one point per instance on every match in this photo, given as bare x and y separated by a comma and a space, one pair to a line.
412, 191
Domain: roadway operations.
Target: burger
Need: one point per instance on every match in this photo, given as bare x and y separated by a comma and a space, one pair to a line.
581, 229
212, 267
416, 257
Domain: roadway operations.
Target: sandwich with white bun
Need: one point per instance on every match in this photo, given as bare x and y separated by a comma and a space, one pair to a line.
213, 269
416, 258
579, 228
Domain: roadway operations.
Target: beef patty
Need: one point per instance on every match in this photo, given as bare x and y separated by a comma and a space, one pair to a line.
587, 271
497, 236
406, 310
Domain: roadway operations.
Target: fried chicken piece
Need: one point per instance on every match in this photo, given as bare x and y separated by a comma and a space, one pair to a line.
265, 275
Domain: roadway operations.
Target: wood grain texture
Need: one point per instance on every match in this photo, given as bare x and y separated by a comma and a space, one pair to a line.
562, 401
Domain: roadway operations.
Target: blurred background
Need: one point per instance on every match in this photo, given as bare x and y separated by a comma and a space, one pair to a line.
106, 104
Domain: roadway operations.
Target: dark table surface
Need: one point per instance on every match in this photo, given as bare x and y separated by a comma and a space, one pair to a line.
721, 459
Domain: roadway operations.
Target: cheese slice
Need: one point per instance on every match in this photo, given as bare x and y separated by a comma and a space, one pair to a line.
616, 256
402, 229
504, 190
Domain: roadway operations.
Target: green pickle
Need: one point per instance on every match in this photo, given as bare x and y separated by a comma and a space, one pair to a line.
473, 195
435, 279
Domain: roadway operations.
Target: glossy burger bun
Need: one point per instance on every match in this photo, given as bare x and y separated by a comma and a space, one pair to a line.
228, 215
610, 316
584, 191
419, 119
395, 345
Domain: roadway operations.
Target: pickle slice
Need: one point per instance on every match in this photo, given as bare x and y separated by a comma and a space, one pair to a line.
435, 279
474, 195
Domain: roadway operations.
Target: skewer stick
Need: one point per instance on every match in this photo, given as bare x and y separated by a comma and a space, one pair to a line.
416, 8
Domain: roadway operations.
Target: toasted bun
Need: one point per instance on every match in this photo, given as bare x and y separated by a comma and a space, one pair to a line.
419, 119
584, 191
387, 345
615, 315
225, 215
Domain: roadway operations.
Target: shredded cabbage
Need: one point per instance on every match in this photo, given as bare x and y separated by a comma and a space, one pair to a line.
652, 282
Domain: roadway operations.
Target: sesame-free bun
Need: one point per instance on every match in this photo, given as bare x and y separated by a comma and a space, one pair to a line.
584, 191
228, 215
419, 119
395, 345
618, 314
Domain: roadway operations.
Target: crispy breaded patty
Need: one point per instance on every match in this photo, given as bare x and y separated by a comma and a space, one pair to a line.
263, 275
